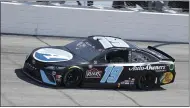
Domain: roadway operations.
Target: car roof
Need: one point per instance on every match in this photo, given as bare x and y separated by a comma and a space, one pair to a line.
110, 42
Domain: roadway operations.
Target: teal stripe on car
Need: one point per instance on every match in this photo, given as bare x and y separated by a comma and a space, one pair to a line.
45, 78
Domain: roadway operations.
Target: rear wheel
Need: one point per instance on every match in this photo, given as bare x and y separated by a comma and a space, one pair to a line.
146, 81
72, 78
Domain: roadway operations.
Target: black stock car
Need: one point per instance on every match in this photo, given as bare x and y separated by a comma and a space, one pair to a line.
100, 60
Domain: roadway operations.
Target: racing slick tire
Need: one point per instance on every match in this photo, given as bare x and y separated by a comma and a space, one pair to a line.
146, 81
73, 78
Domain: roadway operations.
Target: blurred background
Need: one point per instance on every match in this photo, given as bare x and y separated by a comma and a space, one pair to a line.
146, 6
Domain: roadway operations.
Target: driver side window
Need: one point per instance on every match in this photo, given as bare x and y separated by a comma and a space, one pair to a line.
102, 59
117, 56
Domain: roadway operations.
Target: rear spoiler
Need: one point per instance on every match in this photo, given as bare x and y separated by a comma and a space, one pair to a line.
161, 52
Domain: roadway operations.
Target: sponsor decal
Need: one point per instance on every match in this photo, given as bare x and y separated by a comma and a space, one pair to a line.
160, 70
54, 68
90, 66
93, 73
58, 78
50, 67
148, 67
31, 67
130, 81
166, 78
59, 68
52, 55
33, 61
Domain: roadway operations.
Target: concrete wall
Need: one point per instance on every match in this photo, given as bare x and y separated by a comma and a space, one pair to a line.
65, 21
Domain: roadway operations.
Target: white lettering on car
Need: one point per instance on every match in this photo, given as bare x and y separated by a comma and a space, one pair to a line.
108, 42
148, 67
93, 73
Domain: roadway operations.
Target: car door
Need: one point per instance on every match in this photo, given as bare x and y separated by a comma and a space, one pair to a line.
108, 67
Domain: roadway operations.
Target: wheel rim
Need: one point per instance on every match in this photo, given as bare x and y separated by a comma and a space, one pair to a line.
72, 78
147, 81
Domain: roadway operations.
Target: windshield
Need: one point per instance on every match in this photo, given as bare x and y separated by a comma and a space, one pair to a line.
84, 49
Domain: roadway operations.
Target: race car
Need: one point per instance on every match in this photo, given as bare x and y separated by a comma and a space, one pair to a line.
100, 60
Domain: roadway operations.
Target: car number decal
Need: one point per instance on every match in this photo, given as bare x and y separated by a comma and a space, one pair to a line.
108, 42
111, 74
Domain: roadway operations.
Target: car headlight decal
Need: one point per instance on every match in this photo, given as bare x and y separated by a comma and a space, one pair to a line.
172, 67
45, 78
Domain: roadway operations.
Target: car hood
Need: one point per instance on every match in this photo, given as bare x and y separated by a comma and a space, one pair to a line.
56, 55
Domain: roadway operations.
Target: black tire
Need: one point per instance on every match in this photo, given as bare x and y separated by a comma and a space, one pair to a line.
146, 81
72, 78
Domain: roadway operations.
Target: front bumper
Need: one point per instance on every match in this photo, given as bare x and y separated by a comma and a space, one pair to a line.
39, 75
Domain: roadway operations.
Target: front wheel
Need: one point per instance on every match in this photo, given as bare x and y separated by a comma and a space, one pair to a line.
72, 78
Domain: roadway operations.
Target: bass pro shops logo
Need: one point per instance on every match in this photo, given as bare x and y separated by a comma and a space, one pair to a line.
166, 78
93, 73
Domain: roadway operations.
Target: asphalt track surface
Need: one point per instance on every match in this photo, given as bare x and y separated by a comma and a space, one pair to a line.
19, 90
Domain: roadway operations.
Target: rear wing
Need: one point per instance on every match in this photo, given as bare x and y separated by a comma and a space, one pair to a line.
164, 55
